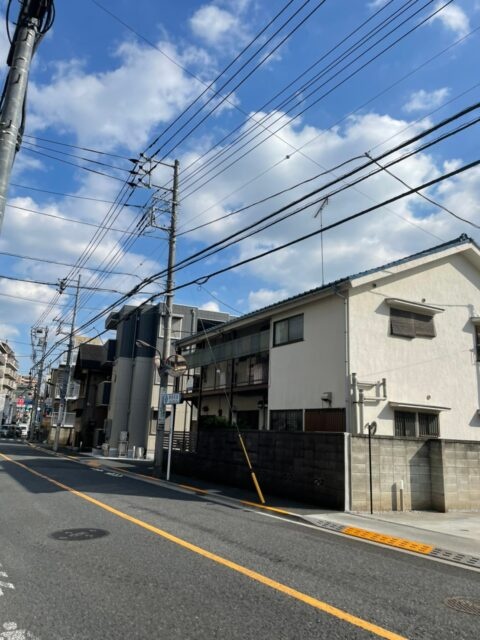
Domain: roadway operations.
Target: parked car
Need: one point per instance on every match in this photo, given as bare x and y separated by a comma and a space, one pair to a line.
22, 430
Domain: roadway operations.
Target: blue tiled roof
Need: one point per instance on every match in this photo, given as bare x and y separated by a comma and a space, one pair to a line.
462, 239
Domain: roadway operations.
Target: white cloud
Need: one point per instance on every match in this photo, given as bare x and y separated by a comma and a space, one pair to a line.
264, 297
210, 306
122, 106
376, 4
8, 331
423, 100
213, 25
453, 18
391, 232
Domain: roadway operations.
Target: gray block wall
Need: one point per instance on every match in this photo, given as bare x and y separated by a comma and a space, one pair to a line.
308, 467
441, 475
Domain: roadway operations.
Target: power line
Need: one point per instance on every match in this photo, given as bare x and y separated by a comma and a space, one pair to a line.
36, 301
316, 192
309, 106
65, 264
261, 123
74, 146
249, 74
203, 279
65, 219
427, 198
69, 195
339, 121
210, 86
32, 146
73, 164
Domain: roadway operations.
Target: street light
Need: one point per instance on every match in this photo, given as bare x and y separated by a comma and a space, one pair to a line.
175, 365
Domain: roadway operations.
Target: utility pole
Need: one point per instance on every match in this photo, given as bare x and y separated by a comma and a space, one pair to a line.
41, 334
34, 20
167, 330
62, 409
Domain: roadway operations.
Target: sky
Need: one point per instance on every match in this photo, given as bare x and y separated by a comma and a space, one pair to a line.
261, 103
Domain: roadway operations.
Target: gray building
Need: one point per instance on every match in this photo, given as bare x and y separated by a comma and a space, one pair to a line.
133, 407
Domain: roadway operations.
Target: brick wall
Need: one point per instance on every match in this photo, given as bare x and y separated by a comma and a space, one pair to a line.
304, 466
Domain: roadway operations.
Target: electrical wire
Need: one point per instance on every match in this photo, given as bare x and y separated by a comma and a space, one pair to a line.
65, 264
202, 280
245, 78
69, 195
309, 106
349, 114
260, 123
65, 219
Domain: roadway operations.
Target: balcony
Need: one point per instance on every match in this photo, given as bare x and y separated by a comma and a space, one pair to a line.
246, 346
249, 374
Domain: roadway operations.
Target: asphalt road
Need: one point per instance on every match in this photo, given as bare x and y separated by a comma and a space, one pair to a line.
89, 555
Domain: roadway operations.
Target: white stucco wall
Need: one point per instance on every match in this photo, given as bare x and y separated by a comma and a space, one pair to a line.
439, 371
300, 372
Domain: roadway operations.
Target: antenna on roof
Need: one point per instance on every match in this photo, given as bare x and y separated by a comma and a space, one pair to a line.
319, 212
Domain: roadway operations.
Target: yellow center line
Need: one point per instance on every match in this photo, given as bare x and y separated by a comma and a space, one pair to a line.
254, 575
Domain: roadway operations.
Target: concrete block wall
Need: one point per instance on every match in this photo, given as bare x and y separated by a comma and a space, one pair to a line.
308, 467
461, 471
437, 474
394, 461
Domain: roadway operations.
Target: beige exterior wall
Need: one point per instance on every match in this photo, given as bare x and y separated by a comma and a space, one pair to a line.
302, 371
439, 371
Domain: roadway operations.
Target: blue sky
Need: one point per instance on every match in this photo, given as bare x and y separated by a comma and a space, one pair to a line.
114, 83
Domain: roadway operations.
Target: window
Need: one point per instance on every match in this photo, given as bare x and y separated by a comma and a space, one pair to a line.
409, 324
477, 342
176, 327
288, 330
289, 420
409, 424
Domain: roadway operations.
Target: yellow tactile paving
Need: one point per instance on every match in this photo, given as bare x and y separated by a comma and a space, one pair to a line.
392, 541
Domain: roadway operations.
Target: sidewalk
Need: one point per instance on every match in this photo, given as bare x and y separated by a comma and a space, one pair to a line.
453, 536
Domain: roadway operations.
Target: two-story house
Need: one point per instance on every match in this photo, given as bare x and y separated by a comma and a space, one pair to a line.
398, 345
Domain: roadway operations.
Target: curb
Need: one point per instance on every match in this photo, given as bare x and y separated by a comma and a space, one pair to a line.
421, 548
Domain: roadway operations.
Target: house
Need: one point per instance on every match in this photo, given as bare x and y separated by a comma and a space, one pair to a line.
8, 382
398, 345
93, 372
133, 408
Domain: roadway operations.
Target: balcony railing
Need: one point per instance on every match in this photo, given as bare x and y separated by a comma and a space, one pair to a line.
246, 346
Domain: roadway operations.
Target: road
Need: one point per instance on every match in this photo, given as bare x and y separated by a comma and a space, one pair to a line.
89, 555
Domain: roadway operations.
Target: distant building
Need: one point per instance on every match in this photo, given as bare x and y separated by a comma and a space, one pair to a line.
134, 397
8, 382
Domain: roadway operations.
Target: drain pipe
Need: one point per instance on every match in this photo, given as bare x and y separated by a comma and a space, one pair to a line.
349, 422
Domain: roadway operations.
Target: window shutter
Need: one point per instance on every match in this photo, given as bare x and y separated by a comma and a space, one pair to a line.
424, 326
402, 323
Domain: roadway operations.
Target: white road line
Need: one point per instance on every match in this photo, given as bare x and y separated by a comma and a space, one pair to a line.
5, 585
12, 632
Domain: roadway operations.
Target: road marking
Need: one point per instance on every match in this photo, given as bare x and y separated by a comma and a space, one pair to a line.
4, 585
254, 575
12, 632
392, 541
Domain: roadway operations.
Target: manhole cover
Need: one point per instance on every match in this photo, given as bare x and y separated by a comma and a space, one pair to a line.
464, 605
72, 535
